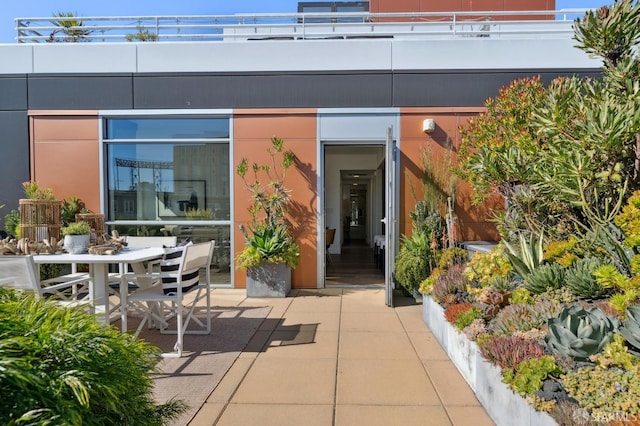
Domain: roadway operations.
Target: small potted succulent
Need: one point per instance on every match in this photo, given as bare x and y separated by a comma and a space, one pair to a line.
77, 237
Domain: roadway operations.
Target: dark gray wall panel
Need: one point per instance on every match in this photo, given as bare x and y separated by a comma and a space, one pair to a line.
459, 89
13, 93
263, 91
14, 164
80, 91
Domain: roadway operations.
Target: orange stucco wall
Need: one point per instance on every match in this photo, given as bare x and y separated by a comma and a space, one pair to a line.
65, 154
473, 221
65, 157
252, 133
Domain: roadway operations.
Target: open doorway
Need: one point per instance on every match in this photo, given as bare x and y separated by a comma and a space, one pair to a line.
354, 206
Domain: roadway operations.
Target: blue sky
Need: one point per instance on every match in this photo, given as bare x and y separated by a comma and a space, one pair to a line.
44, 8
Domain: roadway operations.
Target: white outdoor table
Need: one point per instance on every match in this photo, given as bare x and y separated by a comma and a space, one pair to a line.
99, 272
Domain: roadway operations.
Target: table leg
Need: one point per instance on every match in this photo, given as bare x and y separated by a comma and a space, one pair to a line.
98, 291
124, 292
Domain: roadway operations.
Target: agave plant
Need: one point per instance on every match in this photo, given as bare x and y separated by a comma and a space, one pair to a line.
582, 282
530, 255
631, 328
580, 333
545, 277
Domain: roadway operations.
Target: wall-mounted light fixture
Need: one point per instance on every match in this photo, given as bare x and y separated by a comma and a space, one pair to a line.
428, 125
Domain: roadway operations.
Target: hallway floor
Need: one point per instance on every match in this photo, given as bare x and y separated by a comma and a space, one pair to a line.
354, 266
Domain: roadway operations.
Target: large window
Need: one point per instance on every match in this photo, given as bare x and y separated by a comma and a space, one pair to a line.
169, 176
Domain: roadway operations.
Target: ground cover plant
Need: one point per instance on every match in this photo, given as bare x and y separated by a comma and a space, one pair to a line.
559, 296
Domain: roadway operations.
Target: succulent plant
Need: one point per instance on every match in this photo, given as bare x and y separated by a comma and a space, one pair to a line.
581, 280
606, 392
500, 283
529, 376
452, 312
466, 318
450, 282
542, 310
580, 333
521, 295
631, 327
523, 317
530, 255
476, 328
509, 351
547, 276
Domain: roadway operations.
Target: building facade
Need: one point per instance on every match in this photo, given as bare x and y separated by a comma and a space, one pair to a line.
149, 133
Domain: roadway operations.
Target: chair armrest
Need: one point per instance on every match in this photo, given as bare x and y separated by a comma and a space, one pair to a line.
144, 280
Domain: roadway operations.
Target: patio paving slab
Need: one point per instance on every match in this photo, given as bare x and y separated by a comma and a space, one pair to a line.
338, 357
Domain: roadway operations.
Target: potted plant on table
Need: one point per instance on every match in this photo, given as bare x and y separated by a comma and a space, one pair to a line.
77, 236
270, 251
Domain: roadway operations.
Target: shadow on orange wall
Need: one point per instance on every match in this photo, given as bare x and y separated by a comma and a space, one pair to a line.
253, 130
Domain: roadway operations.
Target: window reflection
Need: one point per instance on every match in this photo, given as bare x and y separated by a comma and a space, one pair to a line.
169, 172
150, 181
167, 128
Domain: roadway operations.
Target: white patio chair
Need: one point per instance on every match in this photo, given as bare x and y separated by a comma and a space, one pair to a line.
22, 273
170, 289
117, 280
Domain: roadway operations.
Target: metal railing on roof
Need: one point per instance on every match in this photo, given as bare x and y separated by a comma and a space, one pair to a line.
298, 26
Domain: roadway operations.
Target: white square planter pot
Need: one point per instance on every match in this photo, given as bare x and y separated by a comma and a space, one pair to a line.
269, 280
505, 407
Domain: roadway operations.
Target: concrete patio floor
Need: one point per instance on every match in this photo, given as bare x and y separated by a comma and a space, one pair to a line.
339, 357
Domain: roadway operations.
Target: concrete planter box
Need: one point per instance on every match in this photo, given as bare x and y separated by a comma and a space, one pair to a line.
505, 407
269, 280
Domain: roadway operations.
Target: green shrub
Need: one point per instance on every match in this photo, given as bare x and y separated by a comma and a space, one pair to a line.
60, 366
12, 223
413, 262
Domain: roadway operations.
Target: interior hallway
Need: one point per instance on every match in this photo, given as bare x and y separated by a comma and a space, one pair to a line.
354, 266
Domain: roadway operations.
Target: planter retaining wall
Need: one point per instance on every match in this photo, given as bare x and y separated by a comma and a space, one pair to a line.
505, 407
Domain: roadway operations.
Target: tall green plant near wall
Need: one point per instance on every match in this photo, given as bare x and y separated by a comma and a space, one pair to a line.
499, 154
